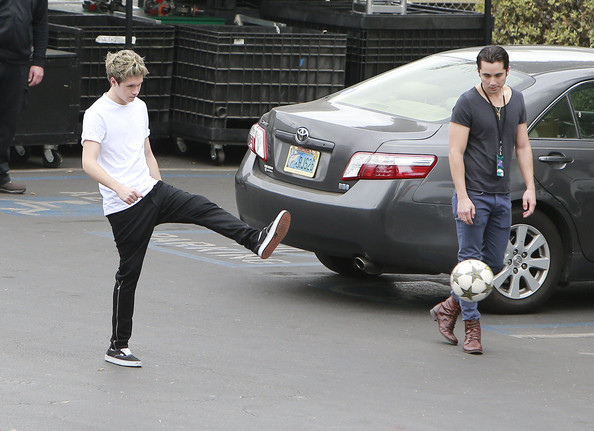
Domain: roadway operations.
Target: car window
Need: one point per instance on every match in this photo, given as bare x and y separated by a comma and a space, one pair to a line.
424, 90
556, 123
559, 122
582, 100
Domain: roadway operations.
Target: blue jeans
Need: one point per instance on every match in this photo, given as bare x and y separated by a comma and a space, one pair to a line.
486, 239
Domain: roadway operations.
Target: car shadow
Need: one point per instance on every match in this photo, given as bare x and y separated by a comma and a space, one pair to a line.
571, 297
418, 292
381, 292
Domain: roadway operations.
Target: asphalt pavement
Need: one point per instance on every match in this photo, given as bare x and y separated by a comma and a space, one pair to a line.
231, 342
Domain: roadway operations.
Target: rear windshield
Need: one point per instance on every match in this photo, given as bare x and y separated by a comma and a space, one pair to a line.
425, 90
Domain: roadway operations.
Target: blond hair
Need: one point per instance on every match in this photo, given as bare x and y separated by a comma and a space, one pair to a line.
124, 64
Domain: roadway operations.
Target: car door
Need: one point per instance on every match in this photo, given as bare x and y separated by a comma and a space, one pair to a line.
563, 145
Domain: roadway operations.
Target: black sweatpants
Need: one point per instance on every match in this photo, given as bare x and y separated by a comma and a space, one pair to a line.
13, 92
132, 231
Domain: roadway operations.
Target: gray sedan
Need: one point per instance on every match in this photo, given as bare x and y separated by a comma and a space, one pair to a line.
365, 172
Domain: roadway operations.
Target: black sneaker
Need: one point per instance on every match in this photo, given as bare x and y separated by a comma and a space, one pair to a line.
123, 357
271, 236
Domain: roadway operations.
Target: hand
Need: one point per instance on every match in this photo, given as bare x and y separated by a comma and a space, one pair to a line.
528, 202
466, 210
35, 75
129, 195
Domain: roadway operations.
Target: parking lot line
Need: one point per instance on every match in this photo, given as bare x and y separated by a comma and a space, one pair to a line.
545, 331
551, 336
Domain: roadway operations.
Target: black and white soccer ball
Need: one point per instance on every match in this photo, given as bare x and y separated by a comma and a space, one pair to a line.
471, 280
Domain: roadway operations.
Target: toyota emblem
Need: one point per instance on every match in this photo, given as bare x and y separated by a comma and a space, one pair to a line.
302, 134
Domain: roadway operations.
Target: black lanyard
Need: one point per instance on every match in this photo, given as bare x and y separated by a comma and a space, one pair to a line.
500, 127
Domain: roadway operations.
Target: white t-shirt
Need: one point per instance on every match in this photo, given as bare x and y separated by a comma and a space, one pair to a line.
121, 131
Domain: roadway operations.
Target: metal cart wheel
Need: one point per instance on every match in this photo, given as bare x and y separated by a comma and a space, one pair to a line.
217, 154
180, 146
51, 156
20, 153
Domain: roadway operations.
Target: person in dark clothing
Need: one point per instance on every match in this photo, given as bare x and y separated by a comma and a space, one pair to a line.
23, 24
487, 127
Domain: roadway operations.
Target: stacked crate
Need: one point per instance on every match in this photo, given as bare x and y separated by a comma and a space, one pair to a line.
93, 36
226, 77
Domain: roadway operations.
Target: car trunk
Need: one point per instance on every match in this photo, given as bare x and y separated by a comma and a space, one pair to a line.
311, 144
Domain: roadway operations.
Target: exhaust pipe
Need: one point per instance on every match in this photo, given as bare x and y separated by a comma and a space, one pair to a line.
365, 265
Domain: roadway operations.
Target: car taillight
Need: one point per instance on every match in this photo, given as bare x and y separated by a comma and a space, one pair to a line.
257, 141
379, 166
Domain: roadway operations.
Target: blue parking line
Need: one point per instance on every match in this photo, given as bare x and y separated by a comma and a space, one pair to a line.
38, 178
271, 262
204, 245
63, 206
75, 204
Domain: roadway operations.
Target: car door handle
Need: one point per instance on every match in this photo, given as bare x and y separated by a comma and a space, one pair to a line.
557, 158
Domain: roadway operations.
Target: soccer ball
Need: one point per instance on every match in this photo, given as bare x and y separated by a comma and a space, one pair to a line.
471, 280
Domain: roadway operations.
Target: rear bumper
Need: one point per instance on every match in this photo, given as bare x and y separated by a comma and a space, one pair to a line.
376, 219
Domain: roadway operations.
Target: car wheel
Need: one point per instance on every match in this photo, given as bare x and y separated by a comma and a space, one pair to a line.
342, 265
532, 265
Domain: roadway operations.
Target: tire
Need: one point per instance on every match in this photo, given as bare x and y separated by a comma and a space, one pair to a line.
343, 266
532, 268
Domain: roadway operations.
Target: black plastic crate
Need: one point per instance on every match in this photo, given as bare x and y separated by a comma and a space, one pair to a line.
371, 52
51, 112
377, 43
93, 36
226, 77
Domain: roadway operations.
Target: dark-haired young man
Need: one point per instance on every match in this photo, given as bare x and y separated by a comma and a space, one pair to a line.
488, 124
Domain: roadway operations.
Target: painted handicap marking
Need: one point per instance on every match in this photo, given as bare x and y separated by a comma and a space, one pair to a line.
545, 331
207, 246
70, 204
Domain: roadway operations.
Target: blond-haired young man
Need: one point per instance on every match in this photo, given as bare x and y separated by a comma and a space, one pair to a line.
117, 154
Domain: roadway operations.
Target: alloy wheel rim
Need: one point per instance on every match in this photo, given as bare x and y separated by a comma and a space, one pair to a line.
526, 263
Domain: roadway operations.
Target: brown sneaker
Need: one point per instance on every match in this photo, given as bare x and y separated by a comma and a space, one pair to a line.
445, 314
12, 188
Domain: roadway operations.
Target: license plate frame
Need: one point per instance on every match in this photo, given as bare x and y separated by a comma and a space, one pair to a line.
302, 161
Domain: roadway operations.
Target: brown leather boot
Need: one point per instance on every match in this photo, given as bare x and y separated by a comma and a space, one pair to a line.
445, 314
472, 340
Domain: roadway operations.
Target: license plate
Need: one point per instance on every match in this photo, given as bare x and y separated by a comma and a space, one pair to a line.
302, 161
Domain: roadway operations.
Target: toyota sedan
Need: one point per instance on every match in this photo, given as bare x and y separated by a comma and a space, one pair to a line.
365, 175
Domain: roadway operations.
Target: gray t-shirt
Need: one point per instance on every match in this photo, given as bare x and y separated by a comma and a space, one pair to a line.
480, 158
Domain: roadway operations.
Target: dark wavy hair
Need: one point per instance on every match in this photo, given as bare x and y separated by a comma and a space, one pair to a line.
493, 54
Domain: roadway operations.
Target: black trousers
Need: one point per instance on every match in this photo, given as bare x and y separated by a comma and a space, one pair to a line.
132, 230
13, 89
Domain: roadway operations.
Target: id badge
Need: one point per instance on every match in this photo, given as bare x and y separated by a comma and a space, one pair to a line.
500, 171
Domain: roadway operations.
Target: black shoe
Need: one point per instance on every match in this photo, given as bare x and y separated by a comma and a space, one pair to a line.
12, 188
123, 357
271, 236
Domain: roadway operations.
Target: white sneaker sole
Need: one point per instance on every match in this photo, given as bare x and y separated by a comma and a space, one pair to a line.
122, 363
279, 229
